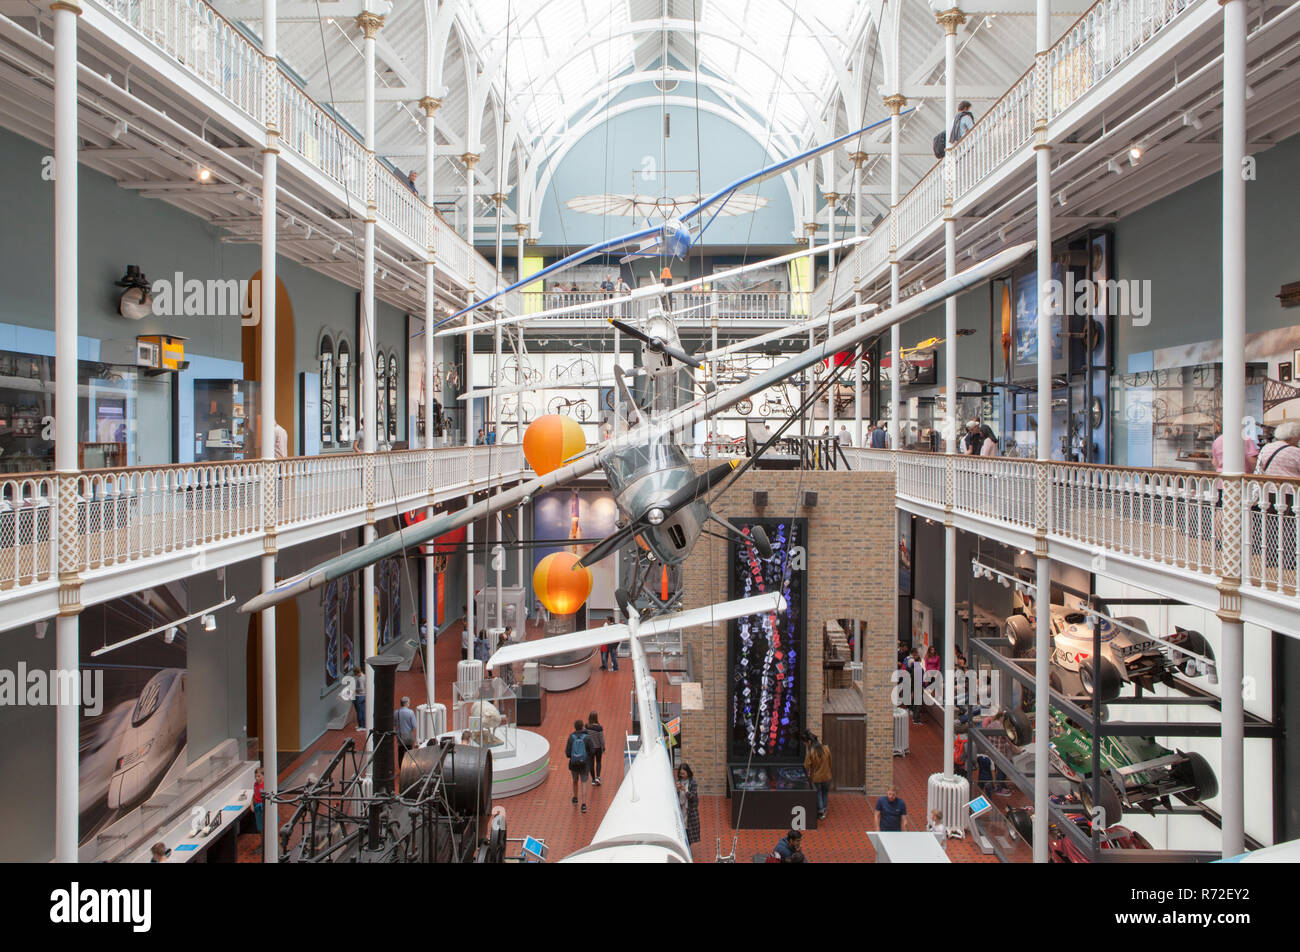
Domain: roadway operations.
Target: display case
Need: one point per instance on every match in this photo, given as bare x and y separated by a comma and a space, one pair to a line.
485, 713
769, 798
106, 408
225, 420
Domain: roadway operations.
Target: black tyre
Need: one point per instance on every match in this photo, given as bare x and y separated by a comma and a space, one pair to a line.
1111, 681
1021, 823
1112, 804
745, 407
1017, 728
1196, 772
1019, 630
582, 411
1055, 682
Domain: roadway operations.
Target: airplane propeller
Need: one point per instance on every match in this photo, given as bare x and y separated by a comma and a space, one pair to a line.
656, 344
657, 515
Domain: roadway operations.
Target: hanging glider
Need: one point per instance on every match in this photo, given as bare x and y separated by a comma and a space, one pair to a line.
673, 236
649, 430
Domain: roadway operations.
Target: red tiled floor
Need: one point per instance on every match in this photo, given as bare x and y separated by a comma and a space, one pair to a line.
548, 813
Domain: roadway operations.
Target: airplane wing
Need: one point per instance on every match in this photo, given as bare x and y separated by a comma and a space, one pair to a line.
577, 257
410, 536
610, 634
739, 204
688, 415
777, 169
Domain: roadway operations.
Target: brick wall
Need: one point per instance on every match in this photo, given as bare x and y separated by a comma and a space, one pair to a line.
852, 573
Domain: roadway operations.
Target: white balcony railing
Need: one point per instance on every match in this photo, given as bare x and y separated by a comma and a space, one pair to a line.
128, 516
202, 40
222, 57
691, 307
1174, 519
1101, 41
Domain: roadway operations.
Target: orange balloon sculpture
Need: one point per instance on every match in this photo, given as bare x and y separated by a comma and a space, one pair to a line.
551, 440
561, 584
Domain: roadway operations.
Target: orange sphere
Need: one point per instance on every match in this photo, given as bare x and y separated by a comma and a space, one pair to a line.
551, 440
561, 584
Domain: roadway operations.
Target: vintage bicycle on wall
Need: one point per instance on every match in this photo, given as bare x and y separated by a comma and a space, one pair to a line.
580, 408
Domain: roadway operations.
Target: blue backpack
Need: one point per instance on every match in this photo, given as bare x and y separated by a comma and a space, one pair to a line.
579, 749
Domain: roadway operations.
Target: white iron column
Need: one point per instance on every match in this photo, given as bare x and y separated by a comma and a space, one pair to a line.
1043, 590
499, 200
370, 24
470, 159
831, 199
270, 739
895, 104
430, 106
1231, 784
858, 158
67, 626
950, 20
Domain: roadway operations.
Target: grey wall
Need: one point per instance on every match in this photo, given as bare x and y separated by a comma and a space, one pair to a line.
1176, 243
117, 228
27, 749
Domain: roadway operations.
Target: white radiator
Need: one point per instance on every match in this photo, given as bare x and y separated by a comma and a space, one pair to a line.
952, 796
430, 721
902, 722
468, 673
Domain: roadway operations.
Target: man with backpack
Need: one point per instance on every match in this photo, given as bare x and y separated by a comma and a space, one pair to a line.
961, 124
575, 748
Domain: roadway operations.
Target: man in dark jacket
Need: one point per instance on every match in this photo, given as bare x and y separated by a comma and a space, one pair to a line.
575, 749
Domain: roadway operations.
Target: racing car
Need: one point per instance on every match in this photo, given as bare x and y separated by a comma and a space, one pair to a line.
1137, 773
1061, 848
1128, 652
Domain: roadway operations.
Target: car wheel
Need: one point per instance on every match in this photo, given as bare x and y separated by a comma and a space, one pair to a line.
1017, 728
1112, 804
1111, 679
1019, 630
1055, 682
1197, 772
1020, 822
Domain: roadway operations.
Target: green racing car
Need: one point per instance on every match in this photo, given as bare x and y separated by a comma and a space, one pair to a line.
1137, 773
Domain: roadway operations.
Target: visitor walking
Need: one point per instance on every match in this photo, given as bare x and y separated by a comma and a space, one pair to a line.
817, 761
575, 749
891, 812
688, 798
595, 747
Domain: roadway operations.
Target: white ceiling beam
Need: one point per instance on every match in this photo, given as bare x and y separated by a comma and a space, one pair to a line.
936, 91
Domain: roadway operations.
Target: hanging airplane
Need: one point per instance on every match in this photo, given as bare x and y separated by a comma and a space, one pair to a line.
644, 822
647, 508
673, 236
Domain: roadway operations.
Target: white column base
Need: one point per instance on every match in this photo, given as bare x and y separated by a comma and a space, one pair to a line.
952, 796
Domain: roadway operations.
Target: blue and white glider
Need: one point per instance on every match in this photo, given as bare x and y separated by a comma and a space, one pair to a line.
671, 237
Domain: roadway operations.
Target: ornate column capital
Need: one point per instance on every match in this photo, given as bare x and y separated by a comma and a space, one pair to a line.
499, 199
831, 197
859, 159
950, 20
369, 23
521, 228
430, 105
74, 7
810, 227
470, 159
895, 103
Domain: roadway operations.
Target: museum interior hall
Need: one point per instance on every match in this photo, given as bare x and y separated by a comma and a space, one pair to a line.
645, 431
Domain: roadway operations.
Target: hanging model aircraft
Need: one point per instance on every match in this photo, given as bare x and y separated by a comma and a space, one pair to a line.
647, 440
643, 823
636, 206
673, 236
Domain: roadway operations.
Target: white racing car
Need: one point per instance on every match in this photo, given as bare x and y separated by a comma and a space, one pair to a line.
1129, 653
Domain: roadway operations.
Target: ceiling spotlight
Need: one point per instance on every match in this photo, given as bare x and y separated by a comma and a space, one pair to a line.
1060, 198
204, 174
170, 635
383, 274
1191, 120
337, 246
119, 129
309, 231
1135, 153
1006, 583
41, 626
209, 622
1113, 166
1002, 234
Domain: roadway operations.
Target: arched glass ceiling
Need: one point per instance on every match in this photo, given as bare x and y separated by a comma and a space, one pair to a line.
562, 53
